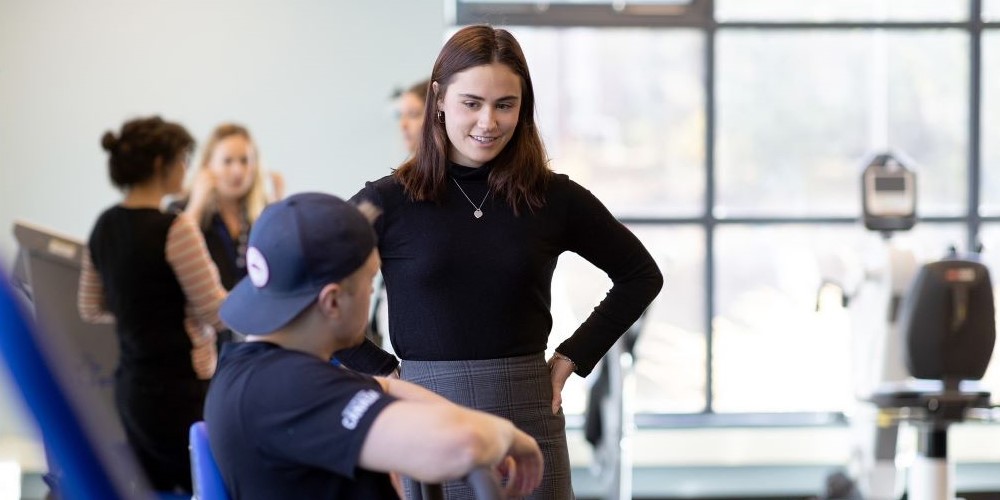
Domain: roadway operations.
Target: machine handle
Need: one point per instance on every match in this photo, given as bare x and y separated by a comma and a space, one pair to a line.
484, 484
481, 480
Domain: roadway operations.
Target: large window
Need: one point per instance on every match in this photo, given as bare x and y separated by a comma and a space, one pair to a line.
773, 350
799, 110
671, 369
623, 113
730, 136
841, 10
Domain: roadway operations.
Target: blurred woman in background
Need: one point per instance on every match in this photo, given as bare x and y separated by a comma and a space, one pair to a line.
150, 273
410, 113
227, 196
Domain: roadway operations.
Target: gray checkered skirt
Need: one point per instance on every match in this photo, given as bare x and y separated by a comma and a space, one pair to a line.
518, 389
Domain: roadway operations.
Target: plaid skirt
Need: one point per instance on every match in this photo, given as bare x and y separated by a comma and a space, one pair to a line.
518, 389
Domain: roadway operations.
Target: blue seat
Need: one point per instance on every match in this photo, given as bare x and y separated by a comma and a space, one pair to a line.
205, 474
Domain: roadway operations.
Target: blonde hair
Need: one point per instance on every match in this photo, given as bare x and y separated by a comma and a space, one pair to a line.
255, 200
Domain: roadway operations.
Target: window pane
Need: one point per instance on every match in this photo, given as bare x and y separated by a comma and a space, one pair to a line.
991, 10
841, 10
990, 116
577, 286
670, 354
795, 145
773, 352
622, 112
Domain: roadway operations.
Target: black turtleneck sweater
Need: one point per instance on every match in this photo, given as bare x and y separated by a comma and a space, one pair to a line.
466, 288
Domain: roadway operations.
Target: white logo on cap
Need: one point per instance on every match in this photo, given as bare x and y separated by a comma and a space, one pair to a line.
257, 268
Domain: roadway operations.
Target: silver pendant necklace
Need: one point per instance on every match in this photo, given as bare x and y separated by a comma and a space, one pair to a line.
479, 209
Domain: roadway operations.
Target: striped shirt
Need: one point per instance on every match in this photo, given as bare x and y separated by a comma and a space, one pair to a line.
151, 272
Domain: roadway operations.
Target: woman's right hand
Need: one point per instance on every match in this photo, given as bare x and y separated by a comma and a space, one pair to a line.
202, 192
560, 369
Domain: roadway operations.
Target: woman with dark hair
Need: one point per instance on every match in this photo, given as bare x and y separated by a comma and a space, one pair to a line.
149, 272
470, 232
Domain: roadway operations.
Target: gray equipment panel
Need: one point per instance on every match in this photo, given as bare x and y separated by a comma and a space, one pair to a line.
51, 263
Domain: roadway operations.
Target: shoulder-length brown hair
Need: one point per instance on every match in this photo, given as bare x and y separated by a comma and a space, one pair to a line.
520, 170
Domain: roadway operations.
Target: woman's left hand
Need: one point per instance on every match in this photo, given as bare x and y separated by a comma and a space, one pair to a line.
560, 369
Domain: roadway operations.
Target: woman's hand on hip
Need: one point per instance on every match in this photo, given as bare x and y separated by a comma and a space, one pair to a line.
560, 368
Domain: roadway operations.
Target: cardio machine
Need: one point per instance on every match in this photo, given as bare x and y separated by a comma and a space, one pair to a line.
889, 199
911, 343
48, 272
873, 297
949, 331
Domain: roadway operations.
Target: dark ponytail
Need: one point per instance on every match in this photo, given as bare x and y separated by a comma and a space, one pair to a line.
134, 152
109, 142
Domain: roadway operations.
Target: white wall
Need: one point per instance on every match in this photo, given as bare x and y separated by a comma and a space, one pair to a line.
310, 78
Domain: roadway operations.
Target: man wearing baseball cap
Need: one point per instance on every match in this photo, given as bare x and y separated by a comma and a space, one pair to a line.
285, 423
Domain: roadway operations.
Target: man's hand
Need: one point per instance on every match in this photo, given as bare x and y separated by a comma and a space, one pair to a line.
397, 484
523, 465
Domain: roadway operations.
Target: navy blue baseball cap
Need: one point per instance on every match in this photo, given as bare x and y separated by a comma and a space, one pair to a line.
297, 246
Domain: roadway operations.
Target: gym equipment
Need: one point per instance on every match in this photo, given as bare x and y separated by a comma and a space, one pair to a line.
949, 326
82, 358
889, 199
481, 481
76, 431
888, 194
49, 265
927, 307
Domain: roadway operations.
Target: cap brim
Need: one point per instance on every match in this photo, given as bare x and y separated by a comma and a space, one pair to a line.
250, 311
